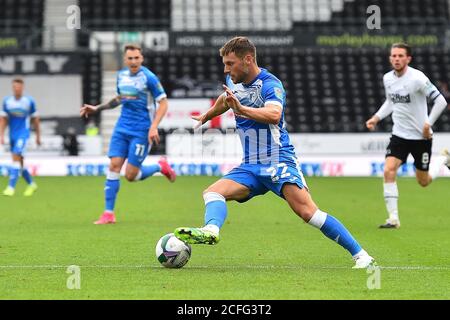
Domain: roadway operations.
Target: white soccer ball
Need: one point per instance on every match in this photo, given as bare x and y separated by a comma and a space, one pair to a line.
171, 252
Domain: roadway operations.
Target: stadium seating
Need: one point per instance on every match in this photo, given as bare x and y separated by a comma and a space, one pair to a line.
125, 15
22, 18
327, 90
269, 15
332, 90
401, 12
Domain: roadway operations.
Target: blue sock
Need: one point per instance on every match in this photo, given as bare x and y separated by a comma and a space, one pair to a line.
147, 171
335, 230
216, 209
14, 175
27, 176
112, 186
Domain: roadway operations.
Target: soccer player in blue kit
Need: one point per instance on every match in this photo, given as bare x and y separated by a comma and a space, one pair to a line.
136, 128
17, 111
257, 99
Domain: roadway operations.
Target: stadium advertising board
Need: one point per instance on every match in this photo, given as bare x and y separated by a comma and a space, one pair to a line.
214, 143
163, 40
14, 63
53, 79
324, 166
9, 42
52, 146
110, 41
365, 38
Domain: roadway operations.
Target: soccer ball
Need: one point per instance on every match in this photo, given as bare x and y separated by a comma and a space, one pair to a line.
171, 252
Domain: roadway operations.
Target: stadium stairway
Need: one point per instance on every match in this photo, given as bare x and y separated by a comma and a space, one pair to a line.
109, 117
56, 33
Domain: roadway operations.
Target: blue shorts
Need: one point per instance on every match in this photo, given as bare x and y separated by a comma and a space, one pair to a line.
18, 145
126, 146
262, 178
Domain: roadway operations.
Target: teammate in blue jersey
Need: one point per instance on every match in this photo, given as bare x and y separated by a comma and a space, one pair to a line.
258, 99
17, 111
136, 128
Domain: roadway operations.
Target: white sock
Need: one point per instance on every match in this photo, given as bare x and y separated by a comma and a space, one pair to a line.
391, 199
212, 227
138, 176
318, 219
111, 175
436, 165
361, 253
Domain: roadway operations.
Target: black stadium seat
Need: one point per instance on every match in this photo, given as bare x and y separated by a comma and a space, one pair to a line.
333, 90
340, 85
126, 15
22, 18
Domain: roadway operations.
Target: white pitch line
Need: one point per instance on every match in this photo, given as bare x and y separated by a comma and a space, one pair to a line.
262, 267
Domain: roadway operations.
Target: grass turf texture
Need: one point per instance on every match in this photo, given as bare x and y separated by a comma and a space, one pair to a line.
266, 251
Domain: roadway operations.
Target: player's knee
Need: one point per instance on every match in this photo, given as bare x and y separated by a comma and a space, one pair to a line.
389, 173
114, 168
305, 212
305, 215
212, 189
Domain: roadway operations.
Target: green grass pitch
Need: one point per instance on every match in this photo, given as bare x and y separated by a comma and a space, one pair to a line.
266, 251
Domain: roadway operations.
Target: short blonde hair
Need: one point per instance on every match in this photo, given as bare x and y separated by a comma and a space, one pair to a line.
132, 47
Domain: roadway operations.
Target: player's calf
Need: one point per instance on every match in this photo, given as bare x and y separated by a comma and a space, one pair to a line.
423, 178
131, 176
300, 201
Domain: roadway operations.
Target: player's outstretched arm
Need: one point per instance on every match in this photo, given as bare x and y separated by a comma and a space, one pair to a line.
385, 110
88, 109
153, 135
217, 109
439, 106
3, 124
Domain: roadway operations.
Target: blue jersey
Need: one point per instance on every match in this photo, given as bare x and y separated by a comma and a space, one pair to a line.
262, 143
18, 113
139, 93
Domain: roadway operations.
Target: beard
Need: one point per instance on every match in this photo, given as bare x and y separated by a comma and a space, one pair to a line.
245, 71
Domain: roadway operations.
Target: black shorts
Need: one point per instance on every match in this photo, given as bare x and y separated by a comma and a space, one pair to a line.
420, 149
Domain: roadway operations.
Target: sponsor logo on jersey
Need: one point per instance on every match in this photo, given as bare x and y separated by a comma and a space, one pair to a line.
278, 93
128, 97
18, 113
398, 98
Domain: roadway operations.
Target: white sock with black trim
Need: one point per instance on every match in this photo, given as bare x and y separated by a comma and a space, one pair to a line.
391, 199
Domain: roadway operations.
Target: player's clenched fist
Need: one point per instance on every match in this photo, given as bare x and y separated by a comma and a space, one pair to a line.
372, 123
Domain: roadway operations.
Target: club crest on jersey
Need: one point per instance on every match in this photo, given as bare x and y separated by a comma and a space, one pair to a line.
398, 98
252, 96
